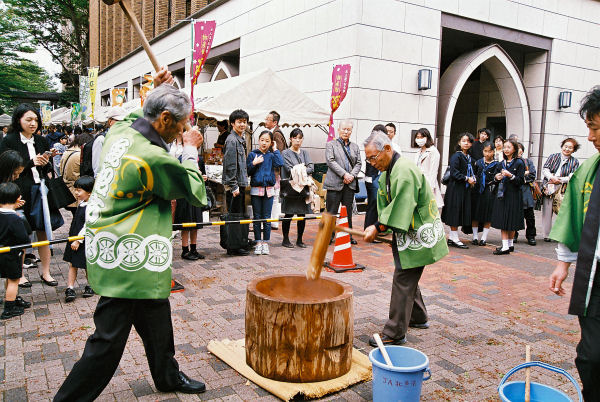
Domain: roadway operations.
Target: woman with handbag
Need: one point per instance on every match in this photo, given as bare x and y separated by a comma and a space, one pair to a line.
527, 191
36, 153
508, 204
457, 200
556, 173
294, 205
261, 164
70, 166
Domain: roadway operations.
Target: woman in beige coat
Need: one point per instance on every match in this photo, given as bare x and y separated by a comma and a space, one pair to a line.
70, 165
428, 160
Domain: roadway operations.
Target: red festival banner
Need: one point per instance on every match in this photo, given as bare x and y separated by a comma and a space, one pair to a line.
340, 78
202, 37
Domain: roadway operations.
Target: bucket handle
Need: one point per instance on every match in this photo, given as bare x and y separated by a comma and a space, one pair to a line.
428, 374
547, 367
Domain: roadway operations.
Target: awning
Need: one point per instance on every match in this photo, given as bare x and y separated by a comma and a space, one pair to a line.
258, 93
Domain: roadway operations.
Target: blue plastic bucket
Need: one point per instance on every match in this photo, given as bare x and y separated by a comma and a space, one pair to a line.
403, 381
515, 391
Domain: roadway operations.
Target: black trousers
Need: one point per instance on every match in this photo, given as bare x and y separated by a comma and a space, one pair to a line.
406, 304
371, 215
529, 223
286, 227
344, 197
236, 204
104, 348
588, 350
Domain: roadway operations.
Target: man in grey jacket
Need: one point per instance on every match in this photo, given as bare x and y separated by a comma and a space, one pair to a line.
235, 176
343, 162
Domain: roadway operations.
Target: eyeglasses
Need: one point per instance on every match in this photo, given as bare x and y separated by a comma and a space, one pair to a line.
372, 159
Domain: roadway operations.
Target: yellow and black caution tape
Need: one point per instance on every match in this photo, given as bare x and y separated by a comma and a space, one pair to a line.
176, 226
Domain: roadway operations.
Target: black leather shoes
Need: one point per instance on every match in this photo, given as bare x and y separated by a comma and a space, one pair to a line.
301, 244
475, 242
287, 244
22, 303
238, 252
352, 241
188, 386
531, 241
49, 283
511, 248
452, 243
547, 239
499, 251
386, 340
482, 242
424, 325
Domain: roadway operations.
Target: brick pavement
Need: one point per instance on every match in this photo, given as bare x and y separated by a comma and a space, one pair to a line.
483, 310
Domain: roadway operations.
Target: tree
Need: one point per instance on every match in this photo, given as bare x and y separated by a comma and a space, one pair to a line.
17, 73
61, 27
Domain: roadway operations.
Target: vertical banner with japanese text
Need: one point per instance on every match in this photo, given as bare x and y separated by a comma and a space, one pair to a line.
146, 87
75, 110
46, 113
93, 85
117, 97
84, 96
202, 37
340, 78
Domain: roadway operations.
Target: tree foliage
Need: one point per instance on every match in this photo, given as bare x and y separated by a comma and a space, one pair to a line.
17, 73
62, 28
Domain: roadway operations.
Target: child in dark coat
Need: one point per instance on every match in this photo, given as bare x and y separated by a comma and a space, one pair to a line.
75, 250
12, 233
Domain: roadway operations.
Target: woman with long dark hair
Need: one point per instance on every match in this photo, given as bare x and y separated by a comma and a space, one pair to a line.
36, 153
457, 200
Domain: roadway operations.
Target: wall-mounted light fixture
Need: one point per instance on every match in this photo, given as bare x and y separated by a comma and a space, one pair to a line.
564, 99
424, 79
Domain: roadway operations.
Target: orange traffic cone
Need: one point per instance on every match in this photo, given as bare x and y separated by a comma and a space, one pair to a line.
176, 287
342, 252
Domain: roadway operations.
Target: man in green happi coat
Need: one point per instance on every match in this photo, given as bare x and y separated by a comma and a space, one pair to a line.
406, 205
128, 242
576, 229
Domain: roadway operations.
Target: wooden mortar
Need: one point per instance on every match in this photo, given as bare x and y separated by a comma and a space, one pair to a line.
299, 330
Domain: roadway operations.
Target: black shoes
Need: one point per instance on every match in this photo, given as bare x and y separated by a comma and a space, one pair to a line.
424, 325
452, 243
482, 243
29, 263
352, 241
511, 248
531, 241
25, 284
386, 340
499, 251
239, 252
301, 244
69, 295
22, 303
287, 243
88, 291
11, 310
547, 239
189, 386
375, 241
475, 242
49, 283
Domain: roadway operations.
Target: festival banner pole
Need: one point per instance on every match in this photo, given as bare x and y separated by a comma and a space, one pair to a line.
202, 37
340, 78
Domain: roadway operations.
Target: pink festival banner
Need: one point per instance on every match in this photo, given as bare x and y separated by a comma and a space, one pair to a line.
340, 78
202, 37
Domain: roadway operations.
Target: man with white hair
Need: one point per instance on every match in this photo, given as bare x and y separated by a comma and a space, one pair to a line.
128, 243
343, 163
406, 205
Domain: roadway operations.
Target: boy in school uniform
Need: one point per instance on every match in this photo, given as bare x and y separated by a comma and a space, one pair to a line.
12, 233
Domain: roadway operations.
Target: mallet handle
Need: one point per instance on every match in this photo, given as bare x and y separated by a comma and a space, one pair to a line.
136, 26
361, 234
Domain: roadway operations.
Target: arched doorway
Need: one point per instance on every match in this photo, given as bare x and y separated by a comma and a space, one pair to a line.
493, 60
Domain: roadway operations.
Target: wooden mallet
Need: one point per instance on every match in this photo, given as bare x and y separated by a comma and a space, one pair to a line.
138, 29
326, 228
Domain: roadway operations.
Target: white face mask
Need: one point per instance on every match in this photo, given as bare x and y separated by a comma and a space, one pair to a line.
421, 141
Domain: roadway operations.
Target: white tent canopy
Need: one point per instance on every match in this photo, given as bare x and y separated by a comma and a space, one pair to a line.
5, 120
258, 93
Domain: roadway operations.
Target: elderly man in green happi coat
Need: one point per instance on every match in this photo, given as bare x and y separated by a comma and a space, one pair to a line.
406, 205
576, 229
128, 243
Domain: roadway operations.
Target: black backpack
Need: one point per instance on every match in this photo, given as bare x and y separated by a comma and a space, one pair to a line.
86, 168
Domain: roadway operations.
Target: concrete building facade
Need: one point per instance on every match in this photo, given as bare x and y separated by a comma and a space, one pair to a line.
496, 63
